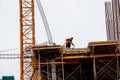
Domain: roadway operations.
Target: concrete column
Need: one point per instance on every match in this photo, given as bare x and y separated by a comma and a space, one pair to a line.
53, 67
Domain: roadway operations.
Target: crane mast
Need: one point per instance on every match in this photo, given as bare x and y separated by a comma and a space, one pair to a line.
27, 36
50, 40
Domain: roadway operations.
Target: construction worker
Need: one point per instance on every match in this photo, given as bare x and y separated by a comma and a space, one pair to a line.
69, 42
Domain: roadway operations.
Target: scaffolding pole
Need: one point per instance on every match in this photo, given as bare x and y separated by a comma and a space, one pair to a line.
62, 68
94, 69
48, 75
39, 76
118, 73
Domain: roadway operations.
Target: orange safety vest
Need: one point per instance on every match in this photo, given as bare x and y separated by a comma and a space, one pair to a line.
68, 40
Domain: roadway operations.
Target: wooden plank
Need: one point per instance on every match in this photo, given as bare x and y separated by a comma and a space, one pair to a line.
100, 43
75, 51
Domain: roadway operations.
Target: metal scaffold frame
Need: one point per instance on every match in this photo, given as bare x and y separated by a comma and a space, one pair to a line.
106, 69
56, 70
100, 61
106, 65
63, 69
46, 65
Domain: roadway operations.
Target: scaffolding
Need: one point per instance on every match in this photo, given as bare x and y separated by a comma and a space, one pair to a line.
99, 61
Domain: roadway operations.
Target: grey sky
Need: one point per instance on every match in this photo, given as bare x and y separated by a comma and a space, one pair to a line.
82, 19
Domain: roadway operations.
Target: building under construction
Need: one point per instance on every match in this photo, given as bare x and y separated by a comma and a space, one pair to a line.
98, 61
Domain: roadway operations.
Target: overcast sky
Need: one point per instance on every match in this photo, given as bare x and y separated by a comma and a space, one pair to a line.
84, 20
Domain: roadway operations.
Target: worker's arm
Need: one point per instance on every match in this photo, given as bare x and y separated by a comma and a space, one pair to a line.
73, 44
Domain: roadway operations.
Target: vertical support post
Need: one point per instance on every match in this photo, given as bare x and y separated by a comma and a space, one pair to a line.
94, 65
48, 72
118, 73
94, 68
39, 76
62, 68
80, 72
53, 67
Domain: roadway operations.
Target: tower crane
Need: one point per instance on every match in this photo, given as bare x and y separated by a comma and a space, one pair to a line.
27, 35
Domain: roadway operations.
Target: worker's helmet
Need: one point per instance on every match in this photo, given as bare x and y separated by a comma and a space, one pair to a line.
71, 37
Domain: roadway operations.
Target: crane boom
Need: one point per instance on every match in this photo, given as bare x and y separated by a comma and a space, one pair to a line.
50, 40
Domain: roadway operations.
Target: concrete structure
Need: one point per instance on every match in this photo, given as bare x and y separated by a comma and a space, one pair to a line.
109, 20
112, 12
